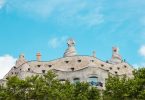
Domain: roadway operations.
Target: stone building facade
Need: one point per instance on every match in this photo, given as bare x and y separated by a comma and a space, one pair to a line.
74, 67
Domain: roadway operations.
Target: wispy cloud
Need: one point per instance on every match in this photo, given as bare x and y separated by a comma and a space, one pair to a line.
56, 42
61, 11
30, 8
141, 52
6, 63
80, 13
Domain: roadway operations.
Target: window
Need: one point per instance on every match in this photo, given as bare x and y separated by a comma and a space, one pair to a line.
20, 69
118, 68
125, 66
49, 66
62, 80
66, 61
115, 72
100, 84
38, 65
93, 80
110, 68
14, 67
76, 80
102, 65
79, 61
43, 71
115, 50
107, 61
28, 69
12, 72
72, 69
92, 60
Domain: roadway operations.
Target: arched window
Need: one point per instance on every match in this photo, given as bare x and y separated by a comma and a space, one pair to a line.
76, 80
93, 80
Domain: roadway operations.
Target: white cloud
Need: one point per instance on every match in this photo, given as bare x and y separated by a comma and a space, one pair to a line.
6, 63
55, 42
136, 66
142, 50
142, 53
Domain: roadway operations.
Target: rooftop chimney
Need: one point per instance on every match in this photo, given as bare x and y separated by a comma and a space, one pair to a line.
21, 60
38, 56
94, 53
21, 56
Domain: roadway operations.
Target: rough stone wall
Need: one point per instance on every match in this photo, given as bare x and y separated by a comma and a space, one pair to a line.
84, 74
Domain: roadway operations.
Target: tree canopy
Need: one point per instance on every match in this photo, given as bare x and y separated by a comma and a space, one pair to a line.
48, 87
125, 88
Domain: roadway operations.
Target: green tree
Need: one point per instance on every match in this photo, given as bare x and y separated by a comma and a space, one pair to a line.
138, 86
116, 88
83, 91
124, 88
46, 87
66, 91
93, 94
3, 94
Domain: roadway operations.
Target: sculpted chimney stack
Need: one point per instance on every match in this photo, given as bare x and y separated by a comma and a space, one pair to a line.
94, 53
21, 60
38, 56
116, 57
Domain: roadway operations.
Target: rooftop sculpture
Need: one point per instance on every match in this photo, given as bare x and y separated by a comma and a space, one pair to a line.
70, 51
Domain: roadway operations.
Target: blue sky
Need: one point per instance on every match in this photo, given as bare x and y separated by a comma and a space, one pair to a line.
29, 26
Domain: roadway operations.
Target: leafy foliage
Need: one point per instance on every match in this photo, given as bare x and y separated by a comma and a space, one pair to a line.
46, 87
126, 89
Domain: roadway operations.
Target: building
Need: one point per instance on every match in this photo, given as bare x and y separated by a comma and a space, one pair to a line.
74, 67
